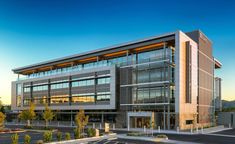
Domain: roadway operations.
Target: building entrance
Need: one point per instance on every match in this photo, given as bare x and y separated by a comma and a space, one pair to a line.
140, 122
140, 119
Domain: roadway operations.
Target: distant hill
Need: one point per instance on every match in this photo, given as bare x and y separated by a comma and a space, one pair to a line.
228, 104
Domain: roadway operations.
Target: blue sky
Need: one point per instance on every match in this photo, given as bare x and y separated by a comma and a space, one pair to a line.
38, 30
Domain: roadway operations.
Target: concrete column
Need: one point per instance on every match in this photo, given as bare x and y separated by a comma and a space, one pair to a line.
128, 122
164, 118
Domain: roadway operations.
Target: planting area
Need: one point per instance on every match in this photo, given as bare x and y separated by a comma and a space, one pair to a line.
35, 136
5, 138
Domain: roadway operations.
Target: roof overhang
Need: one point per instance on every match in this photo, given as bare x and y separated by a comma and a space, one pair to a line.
218, 64
95, 54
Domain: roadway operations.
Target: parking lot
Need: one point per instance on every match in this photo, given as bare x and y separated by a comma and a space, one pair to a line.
222, 137
6, 139
121, 141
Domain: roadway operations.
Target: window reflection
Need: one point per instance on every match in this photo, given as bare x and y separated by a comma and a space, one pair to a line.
83, 83
26, 102
103, 96
27, 89
40, 100
103, 80
18, 95
157, 54
83, 98
59, 85
59, 99
40, 88
150, 95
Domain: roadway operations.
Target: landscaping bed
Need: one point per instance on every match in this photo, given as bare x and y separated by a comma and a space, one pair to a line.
141, 134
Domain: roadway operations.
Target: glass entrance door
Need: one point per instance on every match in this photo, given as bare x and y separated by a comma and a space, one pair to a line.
140, 122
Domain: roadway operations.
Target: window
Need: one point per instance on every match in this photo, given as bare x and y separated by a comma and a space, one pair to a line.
117, 61
83, 98
26, 102
151, 55
40, 99
104, 80
88, 65
83, 83
40, 88
27, 89
18, 89
59, 99
150, 95
143, 76
189, 122
18, 101
103, 96
60, 86
18, 95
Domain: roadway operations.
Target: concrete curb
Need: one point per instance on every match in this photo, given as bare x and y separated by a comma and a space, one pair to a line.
124, 136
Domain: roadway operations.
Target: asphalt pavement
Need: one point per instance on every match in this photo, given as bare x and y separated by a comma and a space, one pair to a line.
226, 137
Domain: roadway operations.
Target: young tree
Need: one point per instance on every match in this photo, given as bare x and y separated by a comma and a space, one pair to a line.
2, 118
81, 120
47, 114
2, 107
28, 114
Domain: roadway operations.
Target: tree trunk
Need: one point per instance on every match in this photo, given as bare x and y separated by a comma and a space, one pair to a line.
46, 123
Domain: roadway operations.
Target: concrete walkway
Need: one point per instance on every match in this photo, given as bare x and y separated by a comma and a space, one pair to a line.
149, 131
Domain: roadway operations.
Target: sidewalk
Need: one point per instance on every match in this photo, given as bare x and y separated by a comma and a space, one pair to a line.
152, 139
149, 131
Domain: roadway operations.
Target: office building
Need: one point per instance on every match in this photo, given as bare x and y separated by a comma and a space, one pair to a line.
165, 80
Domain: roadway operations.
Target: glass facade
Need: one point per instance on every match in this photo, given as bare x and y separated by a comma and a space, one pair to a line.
59, 99
26, 101
18, 95
103, 96
40, 88
40, 100
26, 89
149, 85
83, 83
83, 98
103, 80
60, 85
113, 61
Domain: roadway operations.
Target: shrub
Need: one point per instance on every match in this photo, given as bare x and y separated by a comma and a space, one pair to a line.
77, 134
27, 139
91, 132
162, 136
67, 136
15, 138
2, 119
59, 136
39, 142
47, 136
